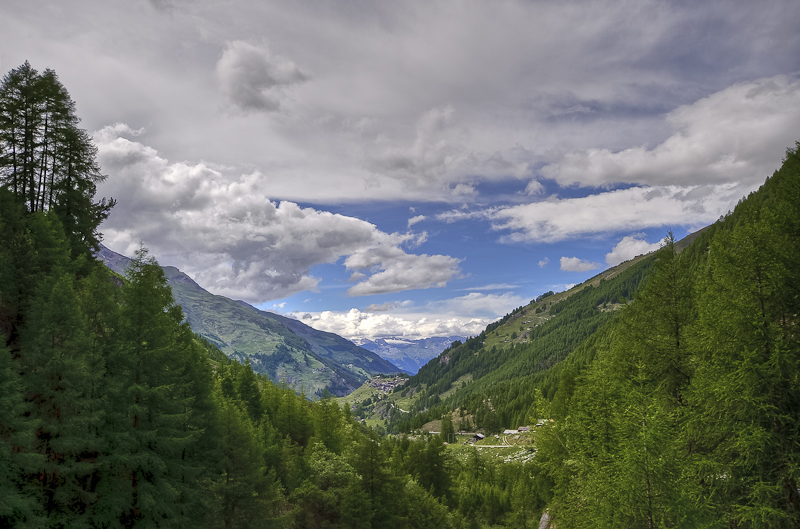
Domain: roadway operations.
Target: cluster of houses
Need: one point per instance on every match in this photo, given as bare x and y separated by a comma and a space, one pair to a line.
479, 436
522, 429
518, 430
386, 386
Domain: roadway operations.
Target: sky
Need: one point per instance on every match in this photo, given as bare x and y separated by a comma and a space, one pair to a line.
396, 168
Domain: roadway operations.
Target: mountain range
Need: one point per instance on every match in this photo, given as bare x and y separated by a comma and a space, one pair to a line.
408, 354
282, 348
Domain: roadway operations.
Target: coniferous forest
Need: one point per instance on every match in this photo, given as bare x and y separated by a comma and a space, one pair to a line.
681, 409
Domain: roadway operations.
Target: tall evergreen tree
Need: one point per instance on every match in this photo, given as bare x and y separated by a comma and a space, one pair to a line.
18, 496
60, 383
748, 385
143, 473
46, 161
244, 492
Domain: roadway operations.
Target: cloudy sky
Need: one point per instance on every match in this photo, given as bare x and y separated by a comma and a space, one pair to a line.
416, 168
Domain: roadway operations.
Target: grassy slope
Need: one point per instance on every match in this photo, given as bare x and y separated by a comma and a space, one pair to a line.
520, 351
275, 346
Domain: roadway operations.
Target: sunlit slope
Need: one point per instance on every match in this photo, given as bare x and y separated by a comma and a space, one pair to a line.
499, 367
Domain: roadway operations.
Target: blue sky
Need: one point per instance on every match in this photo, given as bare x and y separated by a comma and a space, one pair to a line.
488, 265
416, 168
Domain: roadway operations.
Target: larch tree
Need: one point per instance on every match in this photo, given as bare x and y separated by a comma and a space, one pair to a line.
46, 160
60, 380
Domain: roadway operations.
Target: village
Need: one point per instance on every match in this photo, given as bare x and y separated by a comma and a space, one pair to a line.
513, 444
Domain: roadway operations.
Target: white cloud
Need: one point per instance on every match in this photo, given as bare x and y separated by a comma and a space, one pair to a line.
465, 315
416, 219
629, 209
252, 78
576, 264
734, 135
231, 238
493, 286
356, 324
629, 247
544, 262
534, 187
478, 304
393, 270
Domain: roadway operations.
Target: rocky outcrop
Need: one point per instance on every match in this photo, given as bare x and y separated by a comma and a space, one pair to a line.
545, 522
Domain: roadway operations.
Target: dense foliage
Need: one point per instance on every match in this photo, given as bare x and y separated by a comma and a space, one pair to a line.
114, 414
680, 408
688, 416
500, 394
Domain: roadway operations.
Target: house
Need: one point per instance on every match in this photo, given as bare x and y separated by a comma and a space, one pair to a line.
510, 432
524, 429
479, 436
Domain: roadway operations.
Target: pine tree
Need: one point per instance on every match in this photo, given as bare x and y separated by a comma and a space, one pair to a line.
60, 382
18, 497
328, 423
368, 456
244, 492
448, 432
248, 393
623, 424
46, 161
144, 473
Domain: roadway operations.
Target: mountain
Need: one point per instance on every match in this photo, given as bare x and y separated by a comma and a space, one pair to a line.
488, 378
279, 347
407, 354
526, 348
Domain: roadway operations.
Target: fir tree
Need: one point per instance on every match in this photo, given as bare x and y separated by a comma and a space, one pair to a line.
18, 497
144, 473
243, 493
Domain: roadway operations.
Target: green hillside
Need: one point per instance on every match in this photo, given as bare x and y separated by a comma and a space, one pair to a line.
279, 347
490, 376
498, 367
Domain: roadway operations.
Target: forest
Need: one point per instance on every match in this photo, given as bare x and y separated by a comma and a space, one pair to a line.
679, 409
114, 414
687, 413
